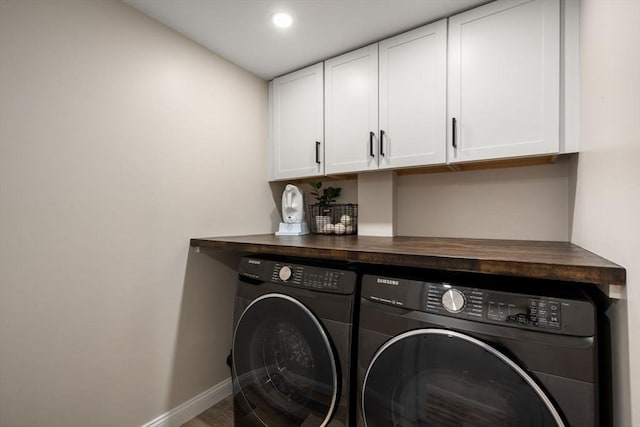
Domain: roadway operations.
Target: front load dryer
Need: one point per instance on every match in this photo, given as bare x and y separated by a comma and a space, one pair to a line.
292, 343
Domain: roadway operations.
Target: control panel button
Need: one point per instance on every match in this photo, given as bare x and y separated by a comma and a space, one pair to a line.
285, 273
523, 318
453, 301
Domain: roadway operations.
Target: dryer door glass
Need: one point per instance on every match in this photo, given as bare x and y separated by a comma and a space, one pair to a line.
434, 377
283, 363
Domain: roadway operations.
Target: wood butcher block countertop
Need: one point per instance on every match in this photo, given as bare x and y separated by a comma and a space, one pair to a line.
532, 259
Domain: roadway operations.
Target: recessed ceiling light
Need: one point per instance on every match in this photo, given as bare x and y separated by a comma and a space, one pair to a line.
282, 20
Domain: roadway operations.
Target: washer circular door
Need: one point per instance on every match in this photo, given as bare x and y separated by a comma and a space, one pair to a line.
284, 364
436, 377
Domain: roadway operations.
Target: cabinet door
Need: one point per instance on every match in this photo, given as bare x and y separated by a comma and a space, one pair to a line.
297, 124
351, 111
413, 97
503, 86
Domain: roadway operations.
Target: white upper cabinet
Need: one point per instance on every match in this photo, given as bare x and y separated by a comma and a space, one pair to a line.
412, 106
503, 81
402, 125
297, 126
487, 84
351, 111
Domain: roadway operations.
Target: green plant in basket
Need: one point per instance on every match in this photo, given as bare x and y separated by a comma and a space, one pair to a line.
326, 197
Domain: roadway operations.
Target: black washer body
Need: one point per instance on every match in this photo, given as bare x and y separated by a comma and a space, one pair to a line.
292, 348
445, 349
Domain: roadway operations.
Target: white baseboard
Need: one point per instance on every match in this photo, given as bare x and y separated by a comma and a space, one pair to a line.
193, 407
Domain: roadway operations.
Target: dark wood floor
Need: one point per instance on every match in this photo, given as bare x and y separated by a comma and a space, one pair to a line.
219, 415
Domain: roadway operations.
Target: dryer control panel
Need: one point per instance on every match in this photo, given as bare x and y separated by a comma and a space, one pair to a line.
526, 311
299, 275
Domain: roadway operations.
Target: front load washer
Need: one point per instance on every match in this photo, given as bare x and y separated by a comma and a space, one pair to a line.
438, 349
292, 343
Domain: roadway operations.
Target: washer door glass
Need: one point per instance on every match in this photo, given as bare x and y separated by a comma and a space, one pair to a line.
435, 377
283, 363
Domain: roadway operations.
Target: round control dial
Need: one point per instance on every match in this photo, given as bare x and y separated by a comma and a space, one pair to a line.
285, 273
453, 301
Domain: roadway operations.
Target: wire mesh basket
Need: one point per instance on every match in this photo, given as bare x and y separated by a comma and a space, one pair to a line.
334, 219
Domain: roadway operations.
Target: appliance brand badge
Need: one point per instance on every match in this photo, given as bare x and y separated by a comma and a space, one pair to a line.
387, 281
254, 261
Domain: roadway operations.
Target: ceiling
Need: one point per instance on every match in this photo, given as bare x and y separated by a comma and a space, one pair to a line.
241, 30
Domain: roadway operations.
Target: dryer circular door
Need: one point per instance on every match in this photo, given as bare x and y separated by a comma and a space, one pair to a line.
283, 363
436, 377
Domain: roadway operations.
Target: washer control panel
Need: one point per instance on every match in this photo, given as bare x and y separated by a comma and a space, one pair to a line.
443, 298
299, 275
483, 305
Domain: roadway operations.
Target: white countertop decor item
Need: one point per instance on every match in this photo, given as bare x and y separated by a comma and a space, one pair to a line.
292, 213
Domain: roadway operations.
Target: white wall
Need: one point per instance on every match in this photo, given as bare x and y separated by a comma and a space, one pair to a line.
607, 175
119, 140
529, 203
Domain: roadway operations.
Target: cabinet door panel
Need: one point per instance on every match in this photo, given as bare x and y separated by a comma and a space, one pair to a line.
351, 111
297, 123
413, 81
503, 87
